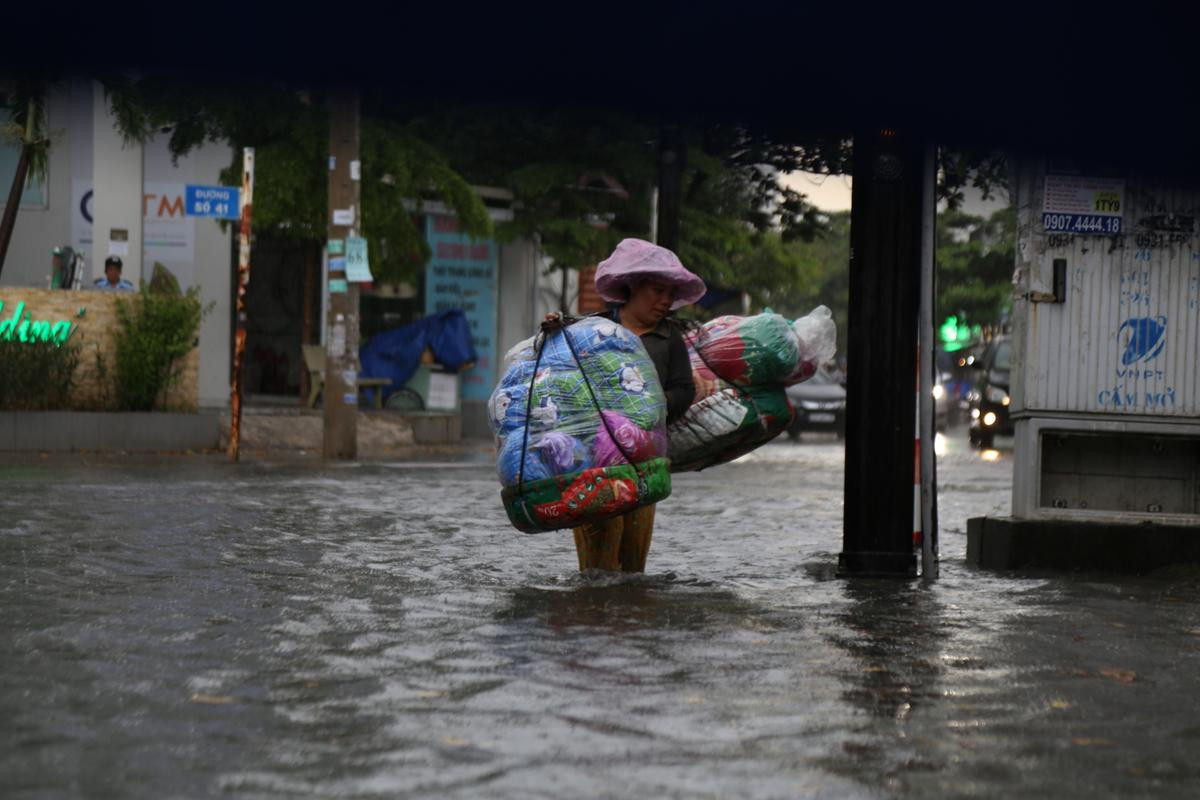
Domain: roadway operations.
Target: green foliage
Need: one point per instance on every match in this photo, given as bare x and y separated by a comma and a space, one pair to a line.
583, 179
154, 331
974, 275
163, 281
289, 130
25, 98
975, 259
986, 170
399, 167
289, 133
751, 160
37, 375
795, 277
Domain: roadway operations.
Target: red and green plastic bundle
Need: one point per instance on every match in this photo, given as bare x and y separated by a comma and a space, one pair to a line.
753, 359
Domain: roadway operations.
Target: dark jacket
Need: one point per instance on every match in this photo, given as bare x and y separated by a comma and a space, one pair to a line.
669, 353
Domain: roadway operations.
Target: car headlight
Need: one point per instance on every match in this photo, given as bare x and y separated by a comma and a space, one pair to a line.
995, 394
938, 391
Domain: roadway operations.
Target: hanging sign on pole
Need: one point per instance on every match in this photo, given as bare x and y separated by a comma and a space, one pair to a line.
357, 268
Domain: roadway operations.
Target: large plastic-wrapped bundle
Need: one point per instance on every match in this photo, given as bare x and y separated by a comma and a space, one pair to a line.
728, 423
579, 418
764, 349
746, 351
752, 359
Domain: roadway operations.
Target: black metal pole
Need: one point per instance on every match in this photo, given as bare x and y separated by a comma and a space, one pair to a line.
672, 155
885, 281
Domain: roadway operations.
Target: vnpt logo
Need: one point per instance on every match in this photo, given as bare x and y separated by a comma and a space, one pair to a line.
1143, 338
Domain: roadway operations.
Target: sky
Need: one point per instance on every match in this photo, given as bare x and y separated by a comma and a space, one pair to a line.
832, 193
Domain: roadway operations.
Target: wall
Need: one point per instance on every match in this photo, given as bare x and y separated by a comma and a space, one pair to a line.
196, 250
1124, 337
517, 317
117, 192
526, 294
92, 314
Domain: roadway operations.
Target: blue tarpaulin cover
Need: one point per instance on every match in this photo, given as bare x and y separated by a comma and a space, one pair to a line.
396, 354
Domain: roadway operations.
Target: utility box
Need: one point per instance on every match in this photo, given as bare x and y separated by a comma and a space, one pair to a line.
1106, 346
439, 390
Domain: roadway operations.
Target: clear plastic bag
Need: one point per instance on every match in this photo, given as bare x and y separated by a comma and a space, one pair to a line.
816, 342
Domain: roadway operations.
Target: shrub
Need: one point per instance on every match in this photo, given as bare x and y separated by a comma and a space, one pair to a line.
37, 376
155, 330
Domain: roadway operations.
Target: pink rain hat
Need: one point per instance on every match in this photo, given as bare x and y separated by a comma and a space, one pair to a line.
636, 258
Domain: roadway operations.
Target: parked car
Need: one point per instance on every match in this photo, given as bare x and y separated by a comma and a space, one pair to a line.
989, 399
820, 404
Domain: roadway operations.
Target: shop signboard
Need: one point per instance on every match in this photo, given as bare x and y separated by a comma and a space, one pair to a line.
462, 273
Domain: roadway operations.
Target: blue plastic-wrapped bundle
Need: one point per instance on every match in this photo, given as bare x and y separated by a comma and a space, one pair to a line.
509, 465
579, 418
622, 385
598, 336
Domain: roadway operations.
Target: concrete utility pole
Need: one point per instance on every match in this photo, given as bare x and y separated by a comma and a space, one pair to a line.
341, 340
881, 414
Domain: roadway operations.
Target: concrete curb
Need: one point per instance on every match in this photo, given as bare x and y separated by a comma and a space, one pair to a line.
133, 431
1005, 543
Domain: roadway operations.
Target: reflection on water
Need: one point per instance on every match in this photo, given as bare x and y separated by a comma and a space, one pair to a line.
892, 630
893, 633
621, 604
379, 632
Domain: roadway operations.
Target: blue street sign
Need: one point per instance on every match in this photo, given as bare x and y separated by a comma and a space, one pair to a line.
222, 202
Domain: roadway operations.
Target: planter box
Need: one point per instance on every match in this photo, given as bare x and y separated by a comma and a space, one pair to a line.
92, 317
65, 431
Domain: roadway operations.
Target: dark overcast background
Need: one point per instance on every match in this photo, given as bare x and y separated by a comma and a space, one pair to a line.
1092, 77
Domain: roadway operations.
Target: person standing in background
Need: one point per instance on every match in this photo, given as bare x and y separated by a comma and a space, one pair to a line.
112, 280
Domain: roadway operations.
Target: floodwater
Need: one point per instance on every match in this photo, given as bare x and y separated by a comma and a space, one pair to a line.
196, 629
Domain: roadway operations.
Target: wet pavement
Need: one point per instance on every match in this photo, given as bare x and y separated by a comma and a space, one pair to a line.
191, 628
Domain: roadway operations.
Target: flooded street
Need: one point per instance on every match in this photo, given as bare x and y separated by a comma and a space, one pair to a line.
196, 629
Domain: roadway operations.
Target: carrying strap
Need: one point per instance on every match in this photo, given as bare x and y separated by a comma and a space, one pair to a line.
539, 347
604, 420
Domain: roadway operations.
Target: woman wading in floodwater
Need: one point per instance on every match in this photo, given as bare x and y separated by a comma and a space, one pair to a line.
643, 283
